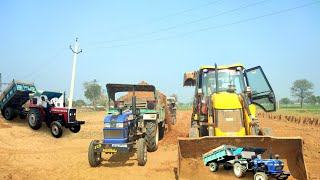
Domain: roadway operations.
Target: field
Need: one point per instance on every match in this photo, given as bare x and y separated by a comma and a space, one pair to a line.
29, 154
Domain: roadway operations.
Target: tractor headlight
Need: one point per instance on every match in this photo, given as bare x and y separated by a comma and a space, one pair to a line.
107, 125
276, 164
119, 125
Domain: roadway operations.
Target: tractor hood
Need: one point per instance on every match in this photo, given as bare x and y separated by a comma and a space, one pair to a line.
225, 100
117, 117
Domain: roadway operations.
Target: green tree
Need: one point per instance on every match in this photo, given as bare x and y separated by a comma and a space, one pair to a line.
80, 102
302, 89
285, 101
92, 91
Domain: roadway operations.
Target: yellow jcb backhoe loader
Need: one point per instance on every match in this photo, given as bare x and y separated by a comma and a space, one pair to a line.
224, 112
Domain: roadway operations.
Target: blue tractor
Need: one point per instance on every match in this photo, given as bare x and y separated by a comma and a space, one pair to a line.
245, 159
125, 128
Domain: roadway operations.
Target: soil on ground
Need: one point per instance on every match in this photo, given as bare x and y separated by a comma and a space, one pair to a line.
30, 154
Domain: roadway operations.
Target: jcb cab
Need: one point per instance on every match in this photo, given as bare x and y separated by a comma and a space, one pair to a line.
224, 104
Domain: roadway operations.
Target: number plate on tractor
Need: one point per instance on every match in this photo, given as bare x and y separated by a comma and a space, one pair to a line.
110, 150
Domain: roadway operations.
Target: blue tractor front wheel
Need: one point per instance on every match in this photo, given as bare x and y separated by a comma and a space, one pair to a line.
94, 157
142, 152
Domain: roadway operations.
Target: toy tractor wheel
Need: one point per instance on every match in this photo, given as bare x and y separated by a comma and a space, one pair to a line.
75, 129
260, 176
56, 129
213, 166
9, 113
35, 119
152, 136
142, 152
94, 157
239, 170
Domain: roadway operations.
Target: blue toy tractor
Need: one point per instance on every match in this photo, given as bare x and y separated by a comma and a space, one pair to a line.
125, 127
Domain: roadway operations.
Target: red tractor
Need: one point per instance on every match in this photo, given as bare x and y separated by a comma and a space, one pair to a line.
54, 117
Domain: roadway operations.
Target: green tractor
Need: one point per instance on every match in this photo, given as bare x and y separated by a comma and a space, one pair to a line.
149, 104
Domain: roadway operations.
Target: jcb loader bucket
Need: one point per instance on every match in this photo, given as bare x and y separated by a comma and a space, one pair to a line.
191, 166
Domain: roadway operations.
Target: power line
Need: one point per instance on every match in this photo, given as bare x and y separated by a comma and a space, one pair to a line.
167, 16
181, 25
216, 27
45, 64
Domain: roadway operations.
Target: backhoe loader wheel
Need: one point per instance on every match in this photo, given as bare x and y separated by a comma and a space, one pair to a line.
260, 176
35, 118
213, 167
152, 135
94, 157
142, 152
56, 129
9, 113
193, 133
203, 130
239, 170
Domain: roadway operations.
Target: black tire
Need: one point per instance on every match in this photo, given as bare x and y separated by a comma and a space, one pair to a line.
203, 130
142, 152
56, 129
213, 167
35, 118
193, 132
161, 130
94, 158
23, 113
152, 135
9, 113
75, 129
239, 170
260, 176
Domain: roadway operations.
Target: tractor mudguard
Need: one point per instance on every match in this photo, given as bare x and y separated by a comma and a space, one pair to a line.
190, 150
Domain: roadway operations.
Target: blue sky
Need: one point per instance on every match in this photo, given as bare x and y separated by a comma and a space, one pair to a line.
157, 41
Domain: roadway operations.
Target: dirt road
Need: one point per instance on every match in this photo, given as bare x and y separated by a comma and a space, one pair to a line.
29, 154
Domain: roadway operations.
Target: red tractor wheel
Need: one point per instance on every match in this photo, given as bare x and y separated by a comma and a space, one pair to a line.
75, 129
56, 129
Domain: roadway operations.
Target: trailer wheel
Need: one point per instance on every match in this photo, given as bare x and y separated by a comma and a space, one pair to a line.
75, 129
161, 130
239, 170
94, 157
260, 176
35, 119
213, 166
152, 136
56, 129
9, 113
142, 152
23, 113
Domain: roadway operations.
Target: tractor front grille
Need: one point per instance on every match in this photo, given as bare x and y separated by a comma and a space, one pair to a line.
111, 134
72, 115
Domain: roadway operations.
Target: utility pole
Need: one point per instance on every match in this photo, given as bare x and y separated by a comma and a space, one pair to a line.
75, 52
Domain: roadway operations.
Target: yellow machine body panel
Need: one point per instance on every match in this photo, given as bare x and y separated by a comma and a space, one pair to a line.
225, 100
